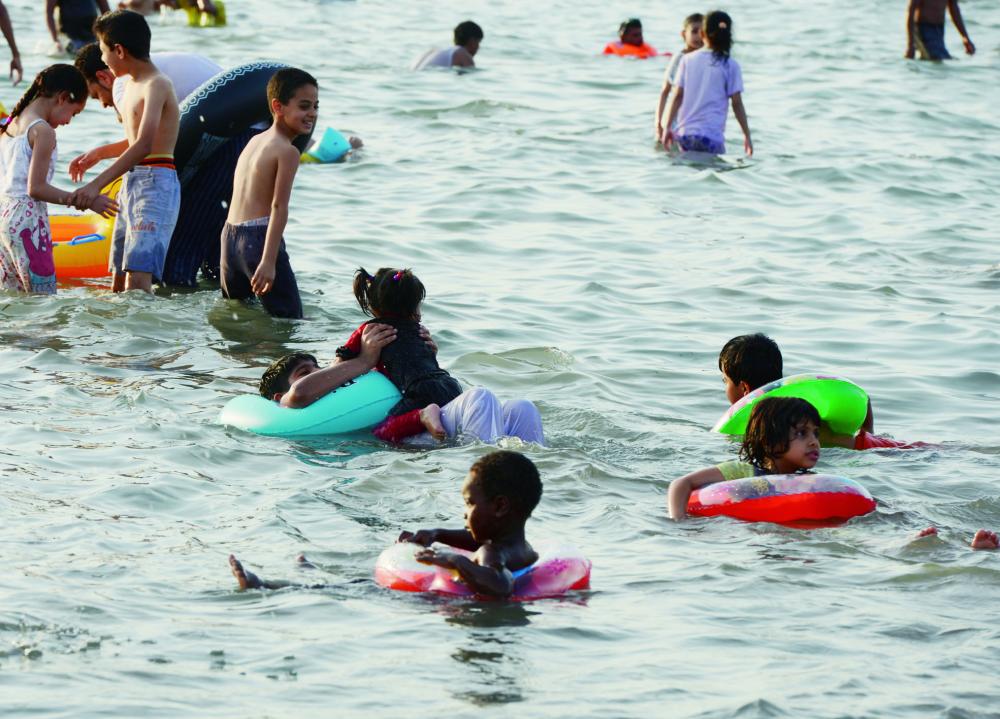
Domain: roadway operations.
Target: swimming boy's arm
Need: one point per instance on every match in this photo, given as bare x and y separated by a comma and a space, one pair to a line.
956, 17
43, 143
459, 538
485, 574
310, 388
680, 489
288, 162
156, 93
741, 117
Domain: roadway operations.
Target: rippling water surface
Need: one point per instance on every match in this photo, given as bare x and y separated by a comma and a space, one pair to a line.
569, 261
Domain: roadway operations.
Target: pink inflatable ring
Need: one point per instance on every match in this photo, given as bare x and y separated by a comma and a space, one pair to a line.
559, 569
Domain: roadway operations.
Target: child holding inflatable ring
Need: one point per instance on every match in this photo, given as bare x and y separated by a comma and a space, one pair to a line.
782, 438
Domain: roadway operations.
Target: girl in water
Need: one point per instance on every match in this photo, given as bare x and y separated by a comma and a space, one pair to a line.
706, 81
27, 153
782, 437
393, 297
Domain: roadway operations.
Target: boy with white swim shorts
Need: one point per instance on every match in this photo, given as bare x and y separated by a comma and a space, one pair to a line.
150, 193
253, 259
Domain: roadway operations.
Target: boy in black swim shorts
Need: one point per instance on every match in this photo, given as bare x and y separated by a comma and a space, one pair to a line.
925, 29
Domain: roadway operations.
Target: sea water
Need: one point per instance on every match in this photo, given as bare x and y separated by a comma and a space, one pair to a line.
568, 260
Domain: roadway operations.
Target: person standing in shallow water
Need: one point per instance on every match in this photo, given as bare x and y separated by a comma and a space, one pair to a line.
467, 37
925, 29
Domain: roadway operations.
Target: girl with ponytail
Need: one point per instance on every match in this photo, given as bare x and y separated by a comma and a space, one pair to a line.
27, 153
707, 81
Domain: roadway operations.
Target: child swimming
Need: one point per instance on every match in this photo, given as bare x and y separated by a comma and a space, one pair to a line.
393, 297
501, 491
782, 438
27, 156
706, 79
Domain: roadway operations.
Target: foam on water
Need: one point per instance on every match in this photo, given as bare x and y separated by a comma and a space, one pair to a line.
569, 261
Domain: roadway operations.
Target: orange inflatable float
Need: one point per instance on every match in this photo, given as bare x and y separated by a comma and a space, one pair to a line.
623, 50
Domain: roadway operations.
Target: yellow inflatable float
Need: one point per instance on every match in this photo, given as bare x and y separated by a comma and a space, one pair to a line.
81, 242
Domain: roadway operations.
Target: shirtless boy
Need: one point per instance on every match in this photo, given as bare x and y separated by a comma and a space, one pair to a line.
150, 194
254, 261
925, 29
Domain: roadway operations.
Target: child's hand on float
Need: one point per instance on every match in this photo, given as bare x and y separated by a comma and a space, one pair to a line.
104, 206
439, 558
262, 281
425, 537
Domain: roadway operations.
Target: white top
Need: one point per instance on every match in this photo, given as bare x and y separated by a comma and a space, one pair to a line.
186, 70
15, 160
437, 58
708, 83
675, 61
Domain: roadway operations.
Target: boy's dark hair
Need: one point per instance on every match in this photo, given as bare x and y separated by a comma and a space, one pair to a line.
767, 431
50, 82
89, 62
467, 31
628, 25
285, 82
389, 293
718, 28
754, 359
512, 475
126, 28
693, 18
275, 377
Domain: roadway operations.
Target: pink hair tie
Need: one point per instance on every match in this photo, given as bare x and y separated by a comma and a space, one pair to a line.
396, 277
723, 25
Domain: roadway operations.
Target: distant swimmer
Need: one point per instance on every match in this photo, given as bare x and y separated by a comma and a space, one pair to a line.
925, 29
468, 35
630, 41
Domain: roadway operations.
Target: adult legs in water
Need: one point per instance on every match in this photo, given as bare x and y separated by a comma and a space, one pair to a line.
479, 413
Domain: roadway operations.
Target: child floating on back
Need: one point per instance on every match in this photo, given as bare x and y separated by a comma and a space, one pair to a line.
253, 259
782, 437
501, 491
707, 80
27, 153
925, 29
691, 33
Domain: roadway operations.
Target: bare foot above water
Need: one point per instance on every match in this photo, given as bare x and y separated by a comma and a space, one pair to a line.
430, 417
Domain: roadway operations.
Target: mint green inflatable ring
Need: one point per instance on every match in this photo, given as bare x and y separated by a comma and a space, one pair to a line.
840, 403
356, 405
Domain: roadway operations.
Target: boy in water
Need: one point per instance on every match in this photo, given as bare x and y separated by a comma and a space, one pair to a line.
751, 361
500, 492
254, 261
150, 195
467, 37
925, 29
691, 33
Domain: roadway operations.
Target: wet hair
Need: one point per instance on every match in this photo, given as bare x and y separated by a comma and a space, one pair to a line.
693, 19
89, 61
126, 28
718, 29
389, 292
770, 422
754, 359
275, 377
627, 25
467, 31
285, 82
50, 82
511, 475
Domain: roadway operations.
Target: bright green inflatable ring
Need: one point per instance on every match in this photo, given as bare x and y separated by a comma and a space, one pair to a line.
840, 403
359, 404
